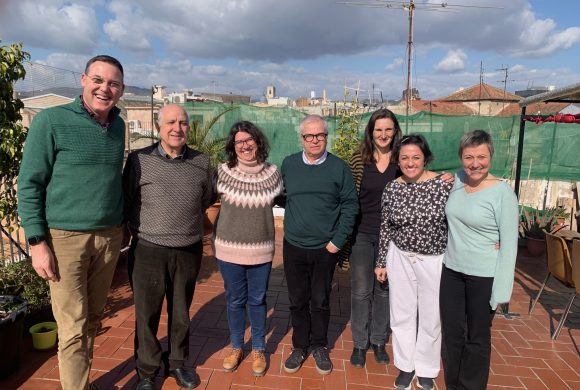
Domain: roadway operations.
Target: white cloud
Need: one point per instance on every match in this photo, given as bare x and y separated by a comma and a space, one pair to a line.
128, 30
518, 68
453, 62
395, 65
52, 24
298, 45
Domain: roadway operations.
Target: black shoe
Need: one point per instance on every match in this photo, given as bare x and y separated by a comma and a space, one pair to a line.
295, 360
425, 383
381, 355
404, 380
145, 384
185, 377
322, 360
358, 357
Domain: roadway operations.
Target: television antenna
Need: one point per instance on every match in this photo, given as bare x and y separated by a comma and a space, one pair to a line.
410, 6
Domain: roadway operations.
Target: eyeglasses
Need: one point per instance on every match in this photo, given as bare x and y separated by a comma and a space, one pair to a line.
248, 141
111, 84
310, 137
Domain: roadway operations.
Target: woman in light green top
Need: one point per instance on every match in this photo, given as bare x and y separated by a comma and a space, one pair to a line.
481, 211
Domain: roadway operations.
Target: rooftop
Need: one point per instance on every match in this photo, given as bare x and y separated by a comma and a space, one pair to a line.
523, 355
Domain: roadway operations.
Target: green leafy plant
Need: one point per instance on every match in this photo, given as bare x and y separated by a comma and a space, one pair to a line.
535, 224
200, 137
561, 212
347, 138
12, 133
21, 279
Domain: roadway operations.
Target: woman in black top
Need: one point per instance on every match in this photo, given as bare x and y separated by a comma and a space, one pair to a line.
372, 169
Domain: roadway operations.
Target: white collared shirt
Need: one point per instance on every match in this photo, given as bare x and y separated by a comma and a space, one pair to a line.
318, 161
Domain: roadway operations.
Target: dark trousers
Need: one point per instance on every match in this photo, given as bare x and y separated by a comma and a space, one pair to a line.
466, 329
309, 275
370, 315
156, 273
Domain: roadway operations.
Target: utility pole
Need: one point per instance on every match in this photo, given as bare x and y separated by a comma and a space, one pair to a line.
505, 70
411, 8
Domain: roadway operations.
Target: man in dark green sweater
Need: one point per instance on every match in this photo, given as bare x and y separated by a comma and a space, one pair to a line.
71, 204
321, 207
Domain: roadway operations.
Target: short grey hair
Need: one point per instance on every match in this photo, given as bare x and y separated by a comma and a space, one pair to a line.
313, 118
476, 138
160, 113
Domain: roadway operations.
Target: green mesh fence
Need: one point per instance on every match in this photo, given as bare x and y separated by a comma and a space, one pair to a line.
550, 150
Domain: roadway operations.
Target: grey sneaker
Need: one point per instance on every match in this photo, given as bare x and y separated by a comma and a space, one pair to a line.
425, 383
295, 360
404, 380
322, 360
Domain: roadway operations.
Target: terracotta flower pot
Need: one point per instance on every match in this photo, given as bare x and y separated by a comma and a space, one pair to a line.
211, 215
536, 246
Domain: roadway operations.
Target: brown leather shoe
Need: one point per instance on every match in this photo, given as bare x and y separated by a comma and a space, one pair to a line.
259, 364
233, 360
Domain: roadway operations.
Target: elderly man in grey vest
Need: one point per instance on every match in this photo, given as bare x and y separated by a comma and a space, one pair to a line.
167, 188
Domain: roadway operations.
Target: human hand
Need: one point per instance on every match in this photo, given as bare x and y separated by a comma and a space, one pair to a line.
381, 274
43, 261
447, 177
126, 237
332, 248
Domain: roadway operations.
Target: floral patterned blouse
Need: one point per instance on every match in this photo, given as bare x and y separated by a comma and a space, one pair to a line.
413, 217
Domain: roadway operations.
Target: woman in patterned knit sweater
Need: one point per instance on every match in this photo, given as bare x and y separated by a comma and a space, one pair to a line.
413, 237
244, 238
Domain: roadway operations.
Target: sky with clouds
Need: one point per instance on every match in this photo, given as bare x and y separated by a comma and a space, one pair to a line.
241, 46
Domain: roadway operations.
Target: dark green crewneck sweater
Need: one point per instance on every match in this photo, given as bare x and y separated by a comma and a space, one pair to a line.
70, 176
321, 202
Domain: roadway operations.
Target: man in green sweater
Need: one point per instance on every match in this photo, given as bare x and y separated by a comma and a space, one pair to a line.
321, 207
71, 204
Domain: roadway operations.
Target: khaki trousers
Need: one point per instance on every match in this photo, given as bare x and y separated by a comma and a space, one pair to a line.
85, 262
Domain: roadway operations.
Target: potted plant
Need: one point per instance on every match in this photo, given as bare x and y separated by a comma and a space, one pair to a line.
561, 214
533, 227
12, 312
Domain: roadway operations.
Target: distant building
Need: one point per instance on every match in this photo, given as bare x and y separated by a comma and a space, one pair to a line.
414, 94
33, 105
534, 91
270, 92
226, 98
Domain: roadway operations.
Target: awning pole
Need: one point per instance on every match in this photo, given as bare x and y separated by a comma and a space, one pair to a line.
520, 151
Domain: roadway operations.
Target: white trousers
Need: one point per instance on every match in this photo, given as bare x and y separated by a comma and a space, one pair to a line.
414, 291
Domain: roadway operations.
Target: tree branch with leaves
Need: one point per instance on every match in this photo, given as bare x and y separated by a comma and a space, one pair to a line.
12, 133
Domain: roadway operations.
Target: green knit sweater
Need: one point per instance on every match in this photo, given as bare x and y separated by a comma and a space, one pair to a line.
70, 176
321, 202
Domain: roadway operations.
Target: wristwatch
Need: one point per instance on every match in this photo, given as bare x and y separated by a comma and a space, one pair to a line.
35, 240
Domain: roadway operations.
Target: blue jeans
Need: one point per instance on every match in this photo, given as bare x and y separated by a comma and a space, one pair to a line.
246, 285
369, 298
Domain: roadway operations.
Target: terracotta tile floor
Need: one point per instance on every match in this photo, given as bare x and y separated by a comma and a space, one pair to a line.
524, 357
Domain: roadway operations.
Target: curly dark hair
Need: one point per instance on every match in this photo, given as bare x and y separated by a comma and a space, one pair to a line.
367, 147
413, 139
260, 139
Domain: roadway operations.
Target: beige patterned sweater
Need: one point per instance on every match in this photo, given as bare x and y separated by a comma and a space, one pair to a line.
244, 232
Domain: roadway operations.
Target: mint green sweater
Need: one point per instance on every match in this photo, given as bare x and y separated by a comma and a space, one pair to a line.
321, 202
477, 221
70, 176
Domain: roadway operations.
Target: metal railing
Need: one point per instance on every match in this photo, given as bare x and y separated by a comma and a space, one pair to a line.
12, 248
